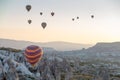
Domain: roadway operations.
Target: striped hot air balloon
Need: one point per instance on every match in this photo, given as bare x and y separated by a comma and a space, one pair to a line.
33, 54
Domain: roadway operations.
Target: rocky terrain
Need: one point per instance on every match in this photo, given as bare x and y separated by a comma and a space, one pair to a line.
56, 66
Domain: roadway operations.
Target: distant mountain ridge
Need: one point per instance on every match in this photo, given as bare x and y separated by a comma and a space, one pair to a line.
113, 47
57, 45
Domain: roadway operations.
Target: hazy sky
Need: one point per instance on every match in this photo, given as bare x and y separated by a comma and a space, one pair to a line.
105, 27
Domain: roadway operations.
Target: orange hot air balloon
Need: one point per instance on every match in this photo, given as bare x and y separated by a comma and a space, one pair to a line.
33, 54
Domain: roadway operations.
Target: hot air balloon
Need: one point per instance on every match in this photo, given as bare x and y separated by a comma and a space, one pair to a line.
43, 24
52, 13
92, 16
29, 21
28, 7
33, 54
73, 19
41, 13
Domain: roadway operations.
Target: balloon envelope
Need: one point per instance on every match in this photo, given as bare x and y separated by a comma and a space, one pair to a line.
29, 21
41, 13
28, 7
77, 17
73, 19
92, 16
43, 24
52, 13
33, 54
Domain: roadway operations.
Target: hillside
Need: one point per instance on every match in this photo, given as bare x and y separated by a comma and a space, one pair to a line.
113, 47
58, 45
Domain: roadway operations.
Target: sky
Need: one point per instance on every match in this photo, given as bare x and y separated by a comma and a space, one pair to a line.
104, 27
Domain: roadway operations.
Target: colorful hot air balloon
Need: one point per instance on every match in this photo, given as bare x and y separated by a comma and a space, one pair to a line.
28, 7
33, 54
29, 21
43, 24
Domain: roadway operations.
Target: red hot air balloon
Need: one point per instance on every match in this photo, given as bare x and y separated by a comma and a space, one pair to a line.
33, 54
